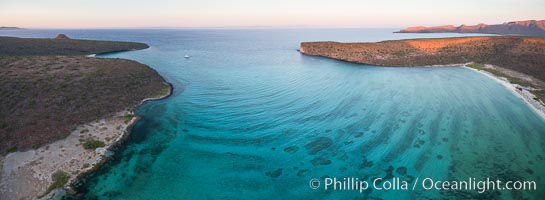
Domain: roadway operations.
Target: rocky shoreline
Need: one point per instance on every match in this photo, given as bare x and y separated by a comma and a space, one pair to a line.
116, 144
27, 174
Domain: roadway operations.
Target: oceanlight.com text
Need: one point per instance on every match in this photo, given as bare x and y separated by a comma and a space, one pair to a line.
399, 184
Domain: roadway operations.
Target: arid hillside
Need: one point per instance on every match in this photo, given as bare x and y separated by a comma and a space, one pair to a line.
43, 96
522, 54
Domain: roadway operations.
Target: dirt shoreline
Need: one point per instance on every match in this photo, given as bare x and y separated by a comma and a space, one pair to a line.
27, 175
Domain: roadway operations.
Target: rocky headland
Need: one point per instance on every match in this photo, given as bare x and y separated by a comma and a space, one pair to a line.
521, 60
527, 28
61, 111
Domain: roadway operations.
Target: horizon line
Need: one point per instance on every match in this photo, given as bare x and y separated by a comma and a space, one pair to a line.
208, 27
256, 26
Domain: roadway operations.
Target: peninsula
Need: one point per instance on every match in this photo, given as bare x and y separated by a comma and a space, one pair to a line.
519, 59
61, 111
526, 28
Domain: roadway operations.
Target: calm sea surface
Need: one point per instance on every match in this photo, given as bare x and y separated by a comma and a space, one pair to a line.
252, 118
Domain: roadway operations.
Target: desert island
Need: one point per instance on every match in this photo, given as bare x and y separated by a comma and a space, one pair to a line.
62, 110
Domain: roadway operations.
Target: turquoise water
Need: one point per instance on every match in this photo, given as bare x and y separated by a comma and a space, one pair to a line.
251, 118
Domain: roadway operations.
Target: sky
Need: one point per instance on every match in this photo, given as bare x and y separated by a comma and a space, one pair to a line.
262, 13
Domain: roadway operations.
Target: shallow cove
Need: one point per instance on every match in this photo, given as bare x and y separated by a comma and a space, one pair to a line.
252, 118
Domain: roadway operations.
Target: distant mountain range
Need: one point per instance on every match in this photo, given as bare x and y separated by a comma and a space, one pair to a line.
10, 28
528, 28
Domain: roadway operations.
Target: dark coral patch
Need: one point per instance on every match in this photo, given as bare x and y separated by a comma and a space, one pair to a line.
318, 145
366, 163
275, 173
320, 161
401, 171
302, 172
291, 149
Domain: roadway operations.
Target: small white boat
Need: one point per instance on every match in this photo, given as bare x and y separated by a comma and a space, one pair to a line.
186, 56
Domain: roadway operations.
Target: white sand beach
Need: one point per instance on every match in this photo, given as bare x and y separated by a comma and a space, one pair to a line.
523, 94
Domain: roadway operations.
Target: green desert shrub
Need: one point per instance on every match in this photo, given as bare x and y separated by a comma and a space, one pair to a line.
476, 65
11, 149
59, 179
127, 118
93, 144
